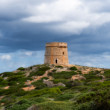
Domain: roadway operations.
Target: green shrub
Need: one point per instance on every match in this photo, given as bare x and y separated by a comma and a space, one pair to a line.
7, 74
63, 74
54, 70
2, 91
21, 105
40, 71
86, 97
86, 106
56, 105
63, 97
92, 76
60, 80
8, 100
73, 68
3, 82
44, 68
107, 73
74, 83
39, 84
50, 91
15, 90
59, 66
15, 78
21, 69
1, 79
21, 92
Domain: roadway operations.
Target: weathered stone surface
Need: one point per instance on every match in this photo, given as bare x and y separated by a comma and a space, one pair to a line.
51, 84
48, 83
56, 53
61, 84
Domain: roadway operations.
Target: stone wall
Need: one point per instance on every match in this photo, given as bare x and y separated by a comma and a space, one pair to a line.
56, 53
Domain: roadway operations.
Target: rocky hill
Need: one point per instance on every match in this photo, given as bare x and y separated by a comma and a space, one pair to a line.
50, 87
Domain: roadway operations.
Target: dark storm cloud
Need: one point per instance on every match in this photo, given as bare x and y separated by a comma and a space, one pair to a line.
33, 36
19, 35
29, 36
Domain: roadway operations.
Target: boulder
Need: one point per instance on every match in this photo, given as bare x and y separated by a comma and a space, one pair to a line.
48, 83
51, 84
61, 84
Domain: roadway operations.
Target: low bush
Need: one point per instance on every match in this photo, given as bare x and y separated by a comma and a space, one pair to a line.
8, 100
50, 91
86, 97
107, 73
92, 76
40, 71
63, 97
21, 69
73, 68
3, 82
60, 80
59, 66
44, 68
39, 84
56, 105
63, 74
7, 74
21, 105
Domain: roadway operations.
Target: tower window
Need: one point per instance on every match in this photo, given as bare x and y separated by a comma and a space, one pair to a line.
63, 53
56, 61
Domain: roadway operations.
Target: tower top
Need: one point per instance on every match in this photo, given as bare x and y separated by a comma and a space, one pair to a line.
56, 44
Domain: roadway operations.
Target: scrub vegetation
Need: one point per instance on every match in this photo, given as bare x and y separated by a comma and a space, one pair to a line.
70, 89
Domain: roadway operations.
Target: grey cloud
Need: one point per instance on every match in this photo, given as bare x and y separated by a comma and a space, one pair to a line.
18, 35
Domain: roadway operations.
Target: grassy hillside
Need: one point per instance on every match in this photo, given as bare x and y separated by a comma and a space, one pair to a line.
49, 87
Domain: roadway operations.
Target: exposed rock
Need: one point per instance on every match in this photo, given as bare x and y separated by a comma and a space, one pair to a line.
51, 84
61, 84
52, 99
50, 77
5, 78
1, 97
34, 69
33, 107
27, 74
3, 108
29, 88
103, 77
78, 77
28, 82
48, 83
16, 71
7, 87
62, 69
34, 77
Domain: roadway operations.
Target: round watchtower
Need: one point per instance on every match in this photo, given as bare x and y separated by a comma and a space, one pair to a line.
56, 53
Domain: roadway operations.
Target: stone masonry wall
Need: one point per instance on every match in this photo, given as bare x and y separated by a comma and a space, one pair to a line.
56, 53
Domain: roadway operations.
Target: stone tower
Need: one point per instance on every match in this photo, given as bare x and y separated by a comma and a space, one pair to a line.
56, 53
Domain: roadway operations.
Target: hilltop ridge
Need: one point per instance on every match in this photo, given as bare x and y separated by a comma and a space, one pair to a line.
50, 87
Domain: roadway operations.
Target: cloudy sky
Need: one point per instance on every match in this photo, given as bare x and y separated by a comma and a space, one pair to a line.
26, 25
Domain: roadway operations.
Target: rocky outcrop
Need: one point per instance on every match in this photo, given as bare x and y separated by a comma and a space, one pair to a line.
51, 84
60, 84
78, 77
29, 88
48, 83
